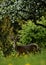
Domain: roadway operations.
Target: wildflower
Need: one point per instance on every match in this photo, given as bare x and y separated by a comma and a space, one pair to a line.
9, 64
27, 64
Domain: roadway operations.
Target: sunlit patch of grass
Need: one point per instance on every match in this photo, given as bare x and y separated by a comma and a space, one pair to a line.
42, 62
10, 64
28, 64
25, 56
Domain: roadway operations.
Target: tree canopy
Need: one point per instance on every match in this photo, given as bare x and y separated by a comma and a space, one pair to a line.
23, 9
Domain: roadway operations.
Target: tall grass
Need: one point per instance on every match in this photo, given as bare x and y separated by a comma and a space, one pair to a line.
31, 59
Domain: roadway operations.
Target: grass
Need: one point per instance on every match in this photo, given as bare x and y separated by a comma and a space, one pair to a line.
37, 59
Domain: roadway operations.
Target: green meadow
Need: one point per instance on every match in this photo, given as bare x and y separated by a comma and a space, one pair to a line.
30, 59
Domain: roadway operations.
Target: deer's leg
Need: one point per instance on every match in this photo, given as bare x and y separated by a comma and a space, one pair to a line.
27, 52
34, 50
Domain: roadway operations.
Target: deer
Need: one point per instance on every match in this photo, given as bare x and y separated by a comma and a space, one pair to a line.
33, 47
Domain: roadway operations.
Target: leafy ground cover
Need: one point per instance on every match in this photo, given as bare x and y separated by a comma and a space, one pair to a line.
14, 59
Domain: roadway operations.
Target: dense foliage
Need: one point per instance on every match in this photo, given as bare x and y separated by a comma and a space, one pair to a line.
32, 33
24, 9
21, 17
5, 35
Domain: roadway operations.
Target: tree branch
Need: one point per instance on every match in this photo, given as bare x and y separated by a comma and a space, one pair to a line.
38, 24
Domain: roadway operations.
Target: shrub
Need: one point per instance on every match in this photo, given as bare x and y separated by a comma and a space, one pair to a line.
32, 33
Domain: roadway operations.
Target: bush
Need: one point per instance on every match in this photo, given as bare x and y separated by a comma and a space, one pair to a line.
32, 33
